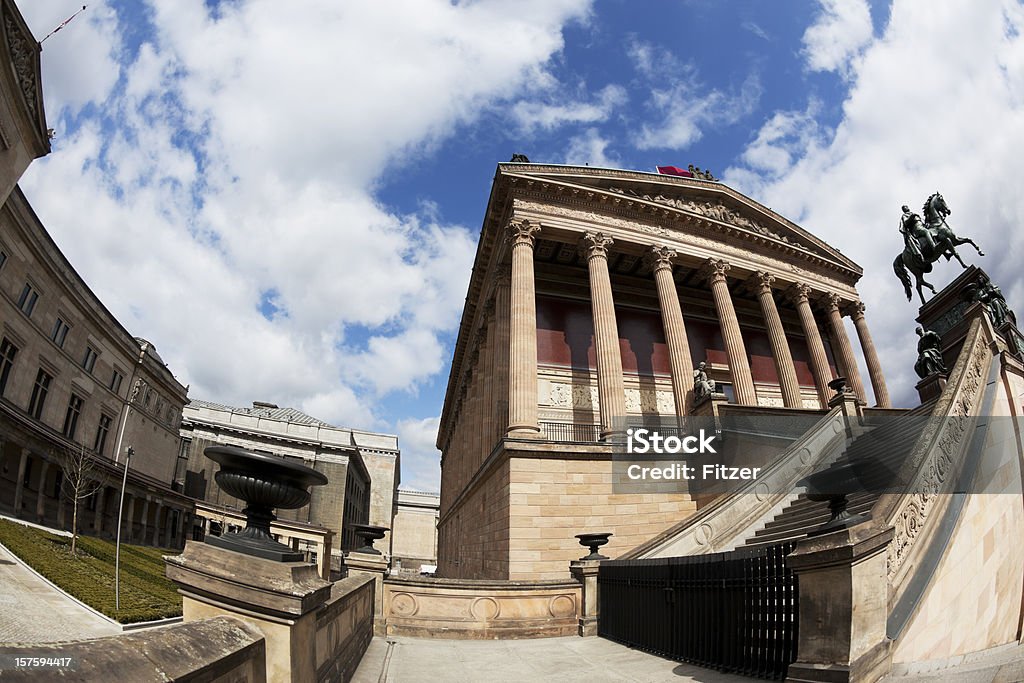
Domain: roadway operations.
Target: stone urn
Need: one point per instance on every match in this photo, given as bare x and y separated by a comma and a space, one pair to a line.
834, 484
838, 385
594, 541
264, 482
369, 533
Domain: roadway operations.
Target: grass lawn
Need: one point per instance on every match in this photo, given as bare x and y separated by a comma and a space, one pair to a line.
145, 593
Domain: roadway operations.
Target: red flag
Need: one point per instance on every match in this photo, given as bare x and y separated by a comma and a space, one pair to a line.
674, 170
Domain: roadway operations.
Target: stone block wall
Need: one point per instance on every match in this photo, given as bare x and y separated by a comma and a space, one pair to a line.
977, 585
553, 499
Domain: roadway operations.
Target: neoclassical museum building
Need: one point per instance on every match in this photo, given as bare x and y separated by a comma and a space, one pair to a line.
72, 378
595, 294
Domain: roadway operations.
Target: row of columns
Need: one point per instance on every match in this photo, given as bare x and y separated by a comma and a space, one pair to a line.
522, 417
98, 514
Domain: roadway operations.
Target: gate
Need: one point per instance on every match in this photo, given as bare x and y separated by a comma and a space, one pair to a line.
735, 612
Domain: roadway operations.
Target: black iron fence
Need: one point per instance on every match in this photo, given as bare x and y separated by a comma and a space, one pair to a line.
735, 612
571, 431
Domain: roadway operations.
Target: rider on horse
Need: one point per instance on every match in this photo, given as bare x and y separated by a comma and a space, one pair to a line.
916, 237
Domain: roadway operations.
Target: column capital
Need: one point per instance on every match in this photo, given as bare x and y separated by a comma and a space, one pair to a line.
714, 270
523, 232
761, 282
594, 244
488, 308
832, 302
660, 257
855, 309
799, 292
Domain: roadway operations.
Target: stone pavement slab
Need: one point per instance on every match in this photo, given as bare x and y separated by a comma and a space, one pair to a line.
33, 611
569, 659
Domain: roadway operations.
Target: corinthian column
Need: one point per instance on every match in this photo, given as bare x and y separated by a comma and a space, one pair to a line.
739, 367
675, 330
819, 361
784, 367
522, 375
846, 356
611, 390
502, 320
870, 356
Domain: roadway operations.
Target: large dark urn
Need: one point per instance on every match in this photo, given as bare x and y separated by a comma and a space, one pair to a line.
594, 541
264, 482
834, 484
838, 385
369, 534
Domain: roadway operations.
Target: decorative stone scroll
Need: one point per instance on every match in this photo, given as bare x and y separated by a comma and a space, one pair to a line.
934, 457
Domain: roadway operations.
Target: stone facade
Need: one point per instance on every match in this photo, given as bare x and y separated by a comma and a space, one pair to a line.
72, 378
415, 529
362, 467
594, 295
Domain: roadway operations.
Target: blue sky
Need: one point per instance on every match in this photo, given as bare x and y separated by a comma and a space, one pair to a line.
285, 197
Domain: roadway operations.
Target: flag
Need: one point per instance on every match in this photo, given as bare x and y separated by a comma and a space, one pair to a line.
674, 170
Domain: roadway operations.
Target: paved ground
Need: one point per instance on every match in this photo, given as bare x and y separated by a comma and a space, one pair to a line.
412, 660
33, 611
596, 660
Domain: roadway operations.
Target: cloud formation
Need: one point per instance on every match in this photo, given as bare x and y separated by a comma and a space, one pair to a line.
218, 165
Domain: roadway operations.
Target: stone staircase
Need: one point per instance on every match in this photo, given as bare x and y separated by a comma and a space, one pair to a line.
878, 455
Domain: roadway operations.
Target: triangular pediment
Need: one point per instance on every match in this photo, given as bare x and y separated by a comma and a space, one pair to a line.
712, 201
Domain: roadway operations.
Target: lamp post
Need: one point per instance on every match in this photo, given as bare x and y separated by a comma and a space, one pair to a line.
117, 548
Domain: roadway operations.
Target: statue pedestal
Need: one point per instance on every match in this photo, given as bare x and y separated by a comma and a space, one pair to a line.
376, 566
708, 406
931, 387
278, 598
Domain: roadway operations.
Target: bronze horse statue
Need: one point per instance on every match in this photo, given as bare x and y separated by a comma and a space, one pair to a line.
926, 242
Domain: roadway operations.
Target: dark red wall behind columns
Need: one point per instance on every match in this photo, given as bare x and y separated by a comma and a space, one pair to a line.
565, 337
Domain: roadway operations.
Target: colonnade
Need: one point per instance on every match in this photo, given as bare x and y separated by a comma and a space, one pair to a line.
510, 322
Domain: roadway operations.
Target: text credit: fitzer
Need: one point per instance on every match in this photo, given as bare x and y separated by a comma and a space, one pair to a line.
650, 442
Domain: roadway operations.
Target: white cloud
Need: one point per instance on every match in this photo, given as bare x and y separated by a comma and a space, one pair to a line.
919, 117
589, 148
840, 32
680, 103
420, 457
547, 116
234, 158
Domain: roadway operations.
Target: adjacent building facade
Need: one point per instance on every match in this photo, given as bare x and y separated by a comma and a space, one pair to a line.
72, 378
415, 530
595, 294
361, 467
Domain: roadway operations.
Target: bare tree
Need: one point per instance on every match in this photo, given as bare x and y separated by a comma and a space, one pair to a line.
80, 481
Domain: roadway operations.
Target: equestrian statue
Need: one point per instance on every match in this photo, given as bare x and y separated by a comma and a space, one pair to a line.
925, 241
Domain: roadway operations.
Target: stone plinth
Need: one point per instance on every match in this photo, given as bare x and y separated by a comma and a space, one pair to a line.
585, 571
279, 598
709, 407
843, 606
376, 566
931, 386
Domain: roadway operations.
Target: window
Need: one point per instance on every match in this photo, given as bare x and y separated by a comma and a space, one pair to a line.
101, 434
115, 381
60, 332
71, 416
27, 300
39, 391
89, 361
7, 353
